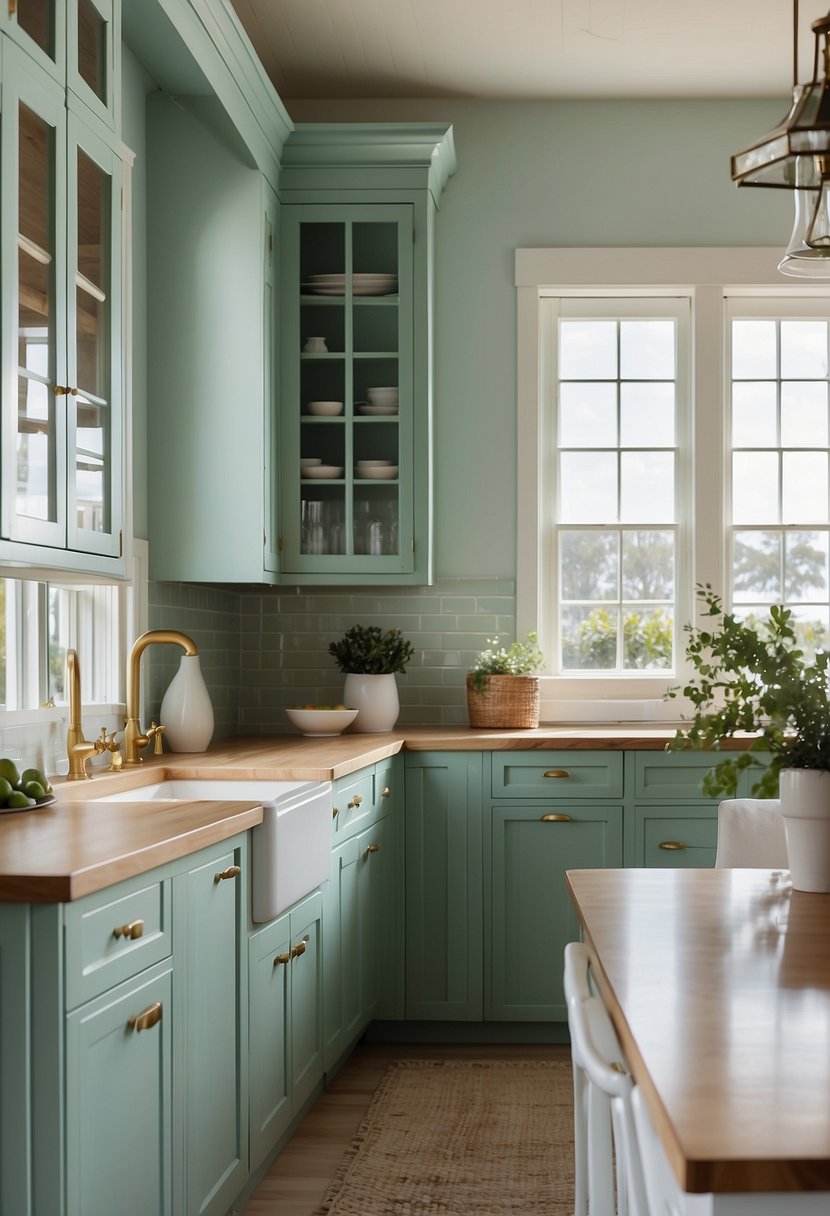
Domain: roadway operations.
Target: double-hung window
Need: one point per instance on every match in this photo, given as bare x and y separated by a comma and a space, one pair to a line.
673, 429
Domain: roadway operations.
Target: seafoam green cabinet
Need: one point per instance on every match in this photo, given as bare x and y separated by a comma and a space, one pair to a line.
15, 1059
358, 206
444, 886
61, 222
286, 1041
216, 1035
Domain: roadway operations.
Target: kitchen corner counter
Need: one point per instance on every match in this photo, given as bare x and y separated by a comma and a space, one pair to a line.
82, 843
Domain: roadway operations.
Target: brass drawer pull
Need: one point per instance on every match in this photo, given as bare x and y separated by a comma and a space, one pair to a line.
132, 929
355, 802
147, 1018
299, 949
556, 772
672, 846
371, 848
385, 792
231, 872
282, 959
555, 817
335, 811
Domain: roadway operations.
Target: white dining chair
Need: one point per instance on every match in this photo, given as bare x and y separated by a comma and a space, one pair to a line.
608, 1173
751, 834
663, 1194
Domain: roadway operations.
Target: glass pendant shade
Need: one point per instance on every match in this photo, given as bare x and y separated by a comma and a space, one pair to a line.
801, 261
818, 233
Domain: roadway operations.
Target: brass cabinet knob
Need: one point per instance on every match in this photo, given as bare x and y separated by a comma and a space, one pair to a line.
282, 959
556, 772
355, 802
231, 872
385, 792
371, 848
132, 929
672, 846
555, 817
147, 1018
299, 949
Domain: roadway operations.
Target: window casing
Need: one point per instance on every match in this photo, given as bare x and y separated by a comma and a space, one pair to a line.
715, 286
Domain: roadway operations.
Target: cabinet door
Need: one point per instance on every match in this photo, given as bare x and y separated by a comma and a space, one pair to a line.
216, 1035
118, 1099
443, 888
93, 47
375, 869
34, 305
347, 393
93, 411
306, 1000
15, 1049
341, 983
269, 956
39, 27
531, 915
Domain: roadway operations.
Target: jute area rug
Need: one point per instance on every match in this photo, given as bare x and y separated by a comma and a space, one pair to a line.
462, 1138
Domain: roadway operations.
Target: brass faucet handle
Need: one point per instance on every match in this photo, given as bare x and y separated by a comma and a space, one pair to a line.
155, 733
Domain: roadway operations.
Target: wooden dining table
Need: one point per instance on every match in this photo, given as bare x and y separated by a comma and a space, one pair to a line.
718, 983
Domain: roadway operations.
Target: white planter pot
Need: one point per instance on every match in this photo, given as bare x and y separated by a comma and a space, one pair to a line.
186, 709
376, 700
805, 809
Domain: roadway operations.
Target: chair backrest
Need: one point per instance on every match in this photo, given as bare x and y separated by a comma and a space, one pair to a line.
751, 834
598, 1049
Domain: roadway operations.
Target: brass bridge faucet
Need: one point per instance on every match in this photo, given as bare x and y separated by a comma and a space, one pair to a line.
134, 740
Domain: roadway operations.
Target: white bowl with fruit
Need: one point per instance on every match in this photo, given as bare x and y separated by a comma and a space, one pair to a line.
321, 719
21, 791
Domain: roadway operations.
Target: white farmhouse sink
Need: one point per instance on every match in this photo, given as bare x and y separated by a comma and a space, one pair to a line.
290, 849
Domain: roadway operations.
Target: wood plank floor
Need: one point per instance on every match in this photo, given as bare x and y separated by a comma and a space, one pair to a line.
298, 1179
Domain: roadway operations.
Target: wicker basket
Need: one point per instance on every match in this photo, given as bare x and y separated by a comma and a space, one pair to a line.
506, 701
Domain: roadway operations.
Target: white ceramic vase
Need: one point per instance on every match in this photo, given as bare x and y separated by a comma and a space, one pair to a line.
186, 709
376, 700
805, 809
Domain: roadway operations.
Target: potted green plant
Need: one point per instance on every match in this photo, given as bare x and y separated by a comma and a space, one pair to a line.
753, 679
370, 658
502, 689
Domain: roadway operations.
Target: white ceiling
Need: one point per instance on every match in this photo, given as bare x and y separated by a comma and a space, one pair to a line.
529, 49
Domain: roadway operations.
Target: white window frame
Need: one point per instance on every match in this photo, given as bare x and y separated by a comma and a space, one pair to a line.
708, 276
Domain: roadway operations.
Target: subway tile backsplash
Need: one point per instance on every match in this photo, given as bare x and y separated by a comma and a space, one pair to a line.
264, 649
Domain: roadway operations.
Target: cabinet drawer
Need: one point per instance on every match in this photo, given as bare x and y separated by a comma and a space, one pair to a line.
672, 841
114, 935
557, 775
361, 799
672, 775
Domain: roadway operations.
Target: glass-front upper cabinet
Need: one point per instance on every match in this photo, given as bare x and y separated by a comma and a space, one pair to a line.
347, 405
61, 256
77, 42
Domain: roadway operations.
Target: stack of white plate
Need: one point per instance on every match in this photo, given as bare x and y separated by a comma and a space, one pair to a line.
362, 284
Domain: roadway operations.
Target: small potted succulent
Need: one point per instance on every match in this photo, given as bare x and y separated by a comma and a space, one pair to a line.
370, 657
502, 689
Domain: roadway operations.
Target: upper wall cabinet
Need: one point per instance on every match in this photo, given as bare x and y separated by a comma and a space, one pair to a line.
61, 240
356, 358
78, 42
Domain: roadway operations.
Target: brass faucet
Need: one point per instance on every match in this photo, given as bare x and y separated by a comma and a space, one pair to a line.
78, 749
134, 740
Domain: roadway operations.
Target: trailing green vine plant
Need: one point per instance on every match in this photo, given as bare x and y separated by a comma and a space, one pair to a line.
752, 678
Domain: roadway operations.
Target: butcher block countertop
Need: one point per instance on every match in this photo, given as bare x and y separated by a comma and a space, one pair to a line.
64, 851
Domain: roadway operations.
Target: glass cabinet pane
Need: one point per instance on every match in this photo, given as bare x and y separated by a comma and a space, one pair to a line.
349, 388
37, 19
36, 495
92, 47
92, 346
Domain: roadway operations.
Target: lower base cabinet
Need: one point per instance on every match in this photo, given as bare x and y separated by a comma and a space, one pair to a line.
286, 1039
531, 915
15, 1048
119, 1090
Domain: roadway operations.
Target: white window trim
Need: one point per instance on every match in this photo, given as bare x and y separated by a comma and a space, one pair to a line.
707, 275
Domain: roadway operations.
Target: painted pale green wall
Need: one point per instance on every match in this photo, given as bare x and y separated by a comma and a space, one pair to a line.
546, 174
